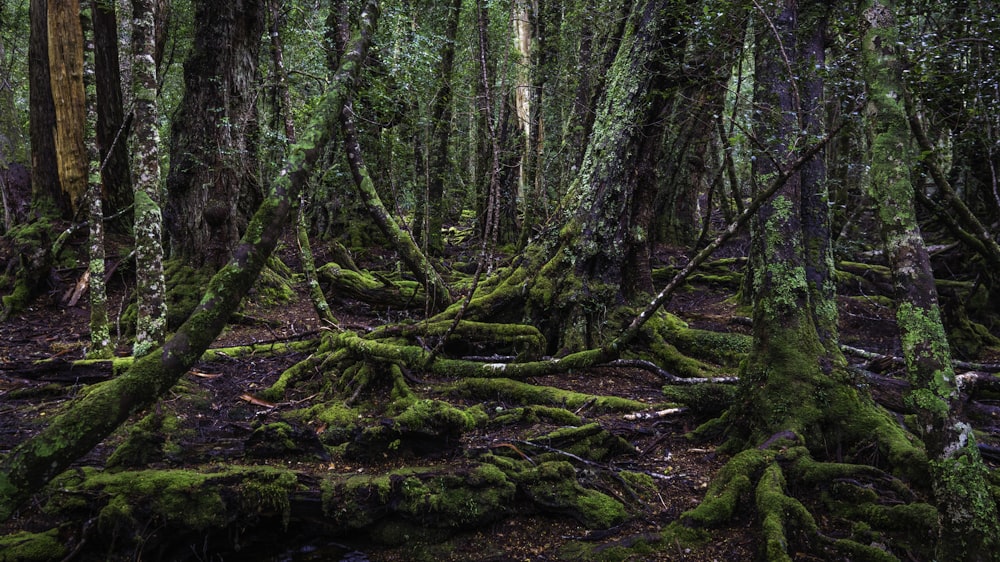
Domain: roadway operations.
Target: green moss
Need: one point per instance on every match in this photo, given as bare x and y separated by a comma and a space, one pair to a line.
730, 485
589, 441
515, 391
23, 546
534, 414
553, 486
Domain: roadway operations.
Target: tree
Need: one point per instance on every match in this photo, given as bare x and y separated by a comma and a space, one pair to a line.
969, 527
213, 182
151, 287
112, 125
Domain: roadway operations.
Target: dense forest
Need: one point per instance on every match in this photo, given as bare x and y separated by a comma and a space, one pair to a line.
499, 280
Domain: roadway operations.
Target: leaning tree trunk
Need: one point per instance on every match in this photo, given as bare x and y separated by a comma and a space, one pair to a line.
213, 182
969, 527
98, 412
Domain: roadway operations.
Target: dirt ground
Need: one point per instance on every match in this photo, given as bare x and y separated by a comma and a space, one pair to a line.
221, 424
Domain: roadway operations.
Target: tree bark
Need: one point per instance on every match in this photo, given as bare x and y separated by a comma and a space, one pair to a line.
45, 188
94, 415
100, 331
150, 284
213, 182
65, 52
605, 232
970, 530
112, 126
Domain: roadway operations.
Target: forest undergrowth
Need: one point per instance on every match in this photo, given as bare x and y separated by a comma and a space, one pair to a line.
278, 447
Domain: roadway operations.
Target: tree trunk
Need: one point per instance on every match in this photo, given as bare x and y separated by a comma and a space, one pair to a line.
100, 331
970, 530
150, 285
213, 181
605, 237
97, 413
112, 126
66, 79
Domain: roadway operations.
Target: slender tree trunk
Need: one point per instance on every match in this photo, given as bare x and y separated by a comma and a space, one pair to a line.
150, 284
970, 530
100, 331
112, 126
411, 255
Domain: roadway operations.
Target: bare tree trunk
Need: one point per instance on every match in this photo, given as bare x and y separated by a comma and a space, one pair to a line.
970, 530
66, 80
45, 185
112, 125
150, 285
96, 414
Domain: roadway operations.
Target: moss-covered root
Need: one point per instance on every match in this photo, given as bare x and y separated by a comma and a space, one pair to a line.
733, 483
780, 514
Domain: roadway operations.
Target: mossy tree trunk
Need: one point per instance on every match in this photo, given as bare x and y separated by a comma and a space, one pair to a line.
791, 362
96, 413
969, 529
100, 331
213, 183
150, 285
602, 260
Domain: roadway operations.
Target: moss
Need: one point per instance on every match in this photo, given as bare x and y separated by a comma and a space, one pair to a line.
24, 546
589, 441
733, 482
553, 487
524, 393
534, 414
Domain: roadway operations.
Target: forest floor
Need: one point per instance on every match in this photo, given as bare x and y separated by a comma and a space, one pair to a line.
219, 425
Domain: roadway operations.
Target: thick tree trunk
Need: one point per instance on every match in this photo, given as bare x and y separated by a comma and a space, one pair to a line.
789, 363
606, 232
97, 413
970, 530
213, 182
45, 189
